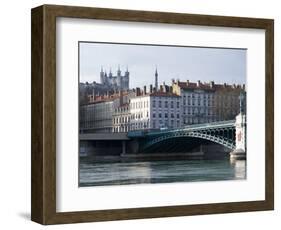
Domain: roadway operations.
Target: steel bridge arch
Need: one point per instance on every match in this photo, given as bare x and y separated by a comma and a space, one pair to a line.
216, 139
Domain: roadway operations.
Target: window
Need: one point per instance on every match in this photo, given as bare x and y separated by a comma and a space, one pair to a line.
166, 115
160, 104
172, 104
178, 104
178, 115
153, 104
159, 115
166, 104
154, 115
172, 115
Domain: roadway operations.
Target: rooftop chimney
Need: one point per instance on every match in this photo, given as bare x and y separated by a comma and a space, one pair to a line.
150, 89
212, 84
138, 91
164, 87
144, 90
198, 83
171, 89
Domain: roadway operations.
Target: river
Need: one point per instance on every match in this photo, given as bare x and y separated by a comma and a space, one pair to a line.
120, 172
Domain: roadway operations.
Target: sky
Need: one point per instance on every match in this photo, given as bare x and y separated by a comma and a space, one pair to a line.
184, 63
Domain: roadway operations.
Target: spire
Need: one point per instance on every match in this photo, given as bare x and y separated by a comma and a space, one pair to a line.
119, 71
102, 76
110, 72
127, 71
156, 79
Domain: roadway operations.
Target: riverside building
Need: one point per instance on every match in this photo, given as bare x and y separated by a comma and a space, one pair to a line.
207, 102
120, 109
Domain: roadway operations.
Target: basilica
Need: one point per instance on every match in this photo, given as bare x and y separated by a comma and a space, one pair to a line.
115, 82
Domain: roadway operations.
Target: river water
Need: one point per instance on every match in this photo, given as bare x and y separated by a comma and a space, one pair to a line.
120, 172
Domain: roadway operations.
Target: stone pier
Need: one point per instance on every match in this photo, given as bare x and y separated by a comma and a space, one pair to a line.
240, 125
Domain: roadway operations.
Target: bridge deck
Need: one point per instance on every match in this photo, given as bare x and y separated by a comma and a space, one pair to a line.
197, 127
103, 136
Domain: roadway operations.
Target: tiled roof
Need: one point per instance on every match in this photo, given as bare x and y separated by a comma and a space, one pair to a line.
163, 94
204, 86
192, 85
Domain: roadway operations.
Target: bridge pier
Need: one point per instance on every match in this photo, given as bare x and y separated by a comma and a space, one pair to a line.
240, 125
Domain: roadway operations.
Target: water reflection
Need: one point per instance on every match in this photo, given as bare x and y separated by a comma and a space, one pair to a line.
120, 172
239, 168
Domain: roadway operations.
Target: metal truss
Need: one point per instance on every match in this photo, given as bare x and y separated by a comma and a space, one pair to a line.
222, 133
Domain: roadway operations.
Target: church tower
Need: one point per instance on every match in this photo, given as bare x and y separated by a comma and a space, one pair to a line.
156, 80
119, 80
126, 80
102, 76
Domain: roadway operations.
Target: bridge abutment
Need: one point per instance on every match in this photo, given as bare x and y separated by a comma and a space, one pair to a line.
240, 140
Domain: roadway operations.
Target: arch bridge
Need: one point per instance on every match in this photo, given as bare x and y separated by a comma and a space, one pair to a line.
223, 133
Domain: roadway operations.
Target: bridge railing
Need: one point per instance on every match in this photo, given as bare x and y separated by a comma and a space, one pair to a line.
211, 125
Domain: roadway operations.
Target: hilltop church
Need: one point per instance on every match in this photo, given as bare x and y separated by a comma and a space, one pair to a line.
115, 82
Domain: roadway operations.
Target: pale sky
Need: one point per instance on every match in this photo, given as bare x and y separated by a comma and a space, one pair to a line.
184, 63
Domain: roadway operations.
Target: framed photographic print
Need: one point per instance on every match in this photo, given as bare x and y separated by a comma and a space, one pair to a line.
140, 114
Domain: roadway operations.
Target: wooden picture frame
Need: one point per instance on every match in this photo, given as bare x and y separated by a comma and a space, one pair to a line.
43, 207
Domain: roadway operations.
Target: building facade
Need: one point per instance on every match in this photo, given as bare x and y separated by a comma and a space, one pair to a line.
207, 102
156, 110
96, 117
227, 101
197, 102
121, 118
